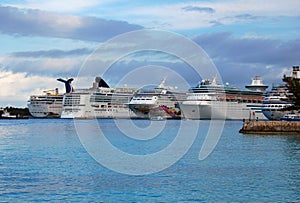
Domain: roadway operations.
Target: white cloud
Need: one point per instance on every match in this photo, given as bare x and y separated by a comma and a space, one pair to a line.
17, 87
58, 5
175, 16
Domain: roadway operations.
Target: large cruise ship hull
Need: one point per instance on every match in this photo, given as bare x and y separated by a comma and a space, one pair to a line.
86, 105
85, 112
45, 110
45, 106
221, 110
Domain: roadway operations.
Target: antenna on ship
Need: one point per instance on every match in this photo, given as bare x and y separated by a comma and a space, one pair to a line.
214, 81
162, 84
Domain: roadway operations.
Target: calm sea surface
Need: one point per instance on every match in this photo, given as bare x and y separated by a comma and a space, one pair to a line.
43, 160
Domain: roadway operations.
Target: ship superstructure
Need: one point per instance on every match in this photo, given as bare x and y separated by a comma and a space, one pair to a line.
209, 100
48, 105
100, 101
276, 101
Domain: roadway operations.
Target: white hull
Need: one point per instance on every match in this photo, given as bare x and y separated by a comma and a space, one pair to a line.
220, 110
90, 113
45, 110
158, 104
79, 105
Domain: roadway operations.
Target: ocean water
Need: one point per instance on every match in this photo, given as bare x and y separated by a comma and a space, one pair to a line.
44, 160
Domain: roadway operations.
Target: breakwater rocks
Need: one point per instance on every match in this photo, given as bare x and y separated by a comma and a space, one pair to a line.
271, 127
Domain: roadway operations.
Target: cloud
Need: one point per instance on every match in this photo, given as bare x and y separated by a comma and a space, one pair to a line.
247, 57
31, 22
199, 14
55, 53
19, 86
58, 5
246, 16
250, 50
243, 56
199, 9
215, 23
43, 66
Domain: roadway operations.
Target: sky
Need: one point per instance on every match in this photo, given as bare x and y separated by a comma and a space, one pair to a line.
45, 40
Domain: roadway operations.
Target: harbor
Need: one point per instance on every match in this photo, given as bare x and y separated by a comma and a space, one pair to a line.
208, 100
149, 101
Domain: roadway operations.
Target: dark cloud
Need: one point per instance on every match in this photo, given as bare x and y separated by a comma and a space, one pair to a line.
120, 69
250, 50
238, 59
199, 9
53, 63
31, 22
55, 53
44, 67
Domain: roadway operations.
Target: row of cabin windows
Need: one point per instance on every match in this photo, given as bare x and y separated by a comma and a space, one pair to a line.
276, 106
238, 100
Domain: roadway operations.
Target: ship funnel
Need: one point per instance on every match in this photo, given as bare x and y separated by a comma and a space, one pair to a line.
296, 72
101, 82
257, 85
68, 85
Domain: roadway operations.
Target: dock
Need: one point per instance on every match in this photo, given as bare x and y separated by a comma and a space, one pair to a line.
271, 127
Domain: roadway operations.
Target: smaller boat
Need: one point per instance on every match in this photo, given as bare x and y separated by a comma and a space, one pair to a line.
275, 103
7, 115
157, 118
291, 117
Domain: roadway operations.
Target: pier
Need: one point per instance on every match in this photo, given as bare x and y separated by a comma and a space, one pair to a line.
271, 127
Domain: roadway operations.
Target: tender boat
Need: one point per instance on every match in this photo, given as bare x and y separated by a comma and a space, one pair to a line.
291, 117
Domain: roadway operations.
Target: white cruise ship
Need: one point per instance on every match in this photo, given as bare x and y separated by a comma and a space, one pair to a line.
209, 100
276, 100
159, 102
100, 101
48, 105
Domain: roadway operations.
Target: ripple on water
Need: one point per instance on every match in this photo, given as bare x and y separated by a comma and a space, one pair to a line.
43, 160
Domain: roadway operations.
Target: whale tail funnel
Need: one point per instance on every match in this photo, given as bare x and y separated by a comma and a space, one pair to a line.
68, 85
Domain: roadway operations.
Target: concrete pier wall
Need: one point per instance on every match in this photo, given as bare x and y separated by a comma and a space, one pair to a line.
271, 127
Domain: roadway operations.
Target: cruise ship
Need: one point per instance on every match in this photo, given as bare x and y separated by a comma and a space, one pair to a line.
100, 101
209, 100
160, 102
275, 103
48, 105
